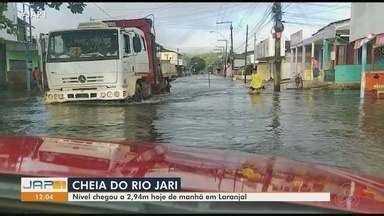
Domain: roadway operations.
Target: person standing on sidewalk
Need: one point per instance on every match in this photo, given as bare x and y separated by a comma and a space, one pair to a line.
316, 69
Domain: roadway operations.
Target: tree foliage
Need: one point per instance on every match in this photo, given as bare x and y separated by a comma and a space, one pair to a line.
74, 7
197, 64
211, 61
11, 28
211, 58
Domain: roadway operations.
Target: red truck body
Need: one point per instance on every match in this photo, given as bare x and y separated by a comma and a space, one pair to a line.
144, 24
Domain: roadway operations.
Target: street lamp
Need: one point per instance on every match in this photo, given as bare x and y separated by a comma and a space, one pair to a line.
231, 28
217, 33
225, 54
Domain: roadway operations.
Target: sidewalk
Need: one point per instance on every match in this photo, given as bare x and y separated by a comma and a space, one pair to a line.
241, 77
308, 84
315, 84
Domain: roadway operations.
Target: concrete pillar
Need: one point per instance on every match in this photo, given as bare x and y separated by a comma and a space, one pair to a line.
303, 61
363, 64
291, 64
296, 60
312, 57
325, 54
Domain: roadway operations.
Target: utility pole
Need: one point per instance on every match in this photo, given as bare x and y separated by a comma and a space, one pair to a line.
30, 49
278, 27
225, 56
30, 24
245, 57
232, 55
177, 61
231, 50
27, 71
225, 59
254, 49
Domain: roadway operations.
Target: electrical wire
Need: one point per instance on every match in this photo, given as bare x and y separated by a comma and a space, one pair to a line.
306, 24
260, 25
190, 14
105, 12
261, 28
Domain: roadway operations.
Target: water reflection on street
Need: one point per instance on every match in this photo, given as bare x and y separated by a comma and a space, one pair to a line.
322, 126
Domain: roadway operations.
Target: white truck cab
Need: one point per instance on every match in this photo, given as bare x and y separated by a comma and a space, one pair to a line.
96, 62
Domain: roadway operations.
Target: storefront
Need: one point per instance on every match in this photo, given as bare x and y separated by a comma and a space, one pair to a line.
373, 75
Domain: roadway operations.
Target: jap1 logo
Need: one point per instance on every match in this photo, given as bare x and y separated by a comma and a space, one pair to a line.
37, 15
44, 184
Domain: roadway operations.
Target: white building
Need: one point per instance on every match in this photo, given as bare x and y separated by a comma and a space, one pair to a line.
366, 18
266, 48
174, 57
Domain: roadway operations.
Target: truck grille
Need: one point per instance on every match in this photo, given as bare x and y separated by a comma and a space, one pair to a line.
89, 79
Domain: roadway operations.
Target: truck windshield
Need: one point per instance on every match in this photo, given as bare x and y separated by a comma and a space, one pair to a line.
83, 45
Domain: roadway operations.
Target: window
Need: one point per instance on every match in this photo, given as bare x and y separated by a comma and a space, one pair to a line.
127, 44
136, 44
142, 39
17, 65
83, 45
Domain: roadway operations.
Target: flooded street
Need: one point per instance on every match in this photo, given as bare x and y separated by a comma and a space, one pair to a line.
322, 126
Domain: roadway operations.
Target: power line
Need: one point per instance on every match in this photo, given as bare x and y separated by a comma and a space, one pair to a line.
267, 13
261, 28
287, 7
250, 10
329, 19
306, 24
325, 5
105, 12
317, 11
261, 24
162, 7
190, 13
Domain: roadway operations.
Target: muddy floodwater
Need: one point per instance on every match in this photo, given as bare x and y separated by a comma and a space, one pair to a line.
331, 127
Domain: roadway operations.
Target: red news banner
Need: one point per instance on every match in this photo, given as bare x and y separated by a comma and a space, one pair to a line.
141, 189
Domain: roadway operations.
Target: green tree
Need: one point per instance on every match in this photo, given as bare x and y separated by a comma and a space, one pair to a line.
5, 23
211, 57
197, 64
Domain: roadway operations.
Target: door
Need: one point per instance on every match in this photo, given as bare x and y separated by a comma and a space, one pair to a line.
128, 59
141, 55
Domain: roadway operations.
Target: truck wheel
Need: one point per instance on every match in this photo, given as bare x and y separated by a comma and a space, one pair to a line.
139, 94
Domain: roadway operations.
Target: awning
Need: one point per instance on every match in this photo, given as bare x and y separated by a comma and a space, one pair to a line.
379, 40
359, 43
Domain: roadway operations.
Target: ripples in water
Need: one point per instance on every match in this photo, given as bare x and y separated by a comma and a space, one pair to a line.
320, 126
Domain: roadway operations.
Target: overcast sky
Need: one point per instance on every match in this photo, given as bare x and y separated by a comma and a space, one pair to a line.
187, 26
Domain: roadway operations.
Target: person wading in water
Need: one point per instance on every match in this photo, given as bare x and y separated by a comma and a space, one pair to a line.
36, 75
256, 82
